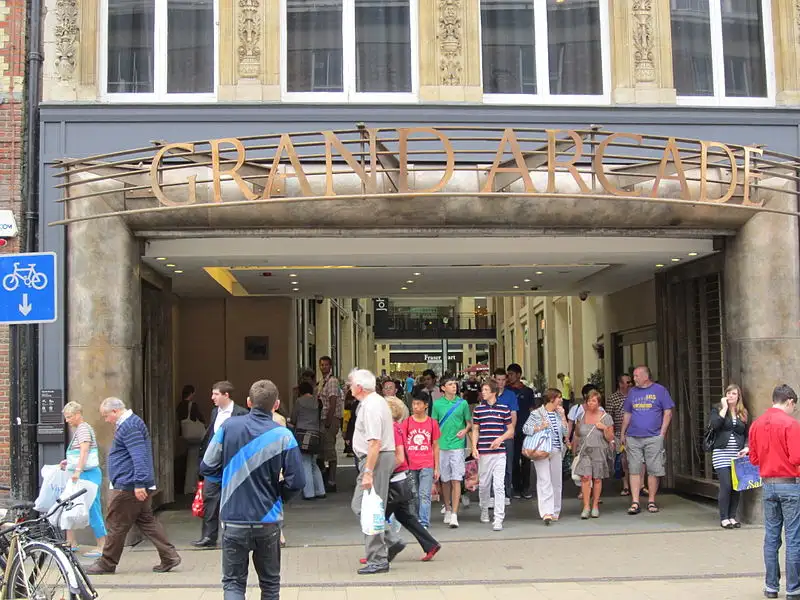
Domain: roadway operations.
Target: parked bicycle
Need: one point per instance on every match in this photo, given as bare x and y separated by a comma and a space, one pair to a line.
36, 563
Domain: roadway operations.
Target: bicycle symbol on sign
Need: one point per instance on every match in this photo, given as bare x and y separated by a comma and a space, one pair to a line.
29, 276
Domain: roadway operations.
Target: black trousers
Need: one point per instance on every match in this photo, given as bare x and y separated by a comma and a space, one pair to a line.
405, 513
521, 468
211, 494
728, 497
264, 542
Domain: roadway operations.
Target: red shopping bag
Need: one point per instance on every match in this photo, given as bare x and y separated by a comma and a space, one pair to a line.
198, 508
471, 475
435, 492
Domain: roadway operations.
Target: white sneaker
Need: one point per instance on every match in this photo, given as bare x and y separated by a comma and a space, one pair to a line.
491, 503
484, 515
498, 526
444, 509
448, 517
454, 521
508, 501
465, 501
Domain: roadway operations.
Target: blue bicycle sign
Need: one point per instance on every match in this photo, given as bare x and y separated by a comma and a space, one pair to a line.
28, 288
28, 276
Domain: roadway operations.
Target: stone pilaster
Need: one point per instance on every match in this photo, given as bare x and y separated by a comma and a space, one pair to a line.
641, 40
70, 50
449, 51
786, 40
249, 60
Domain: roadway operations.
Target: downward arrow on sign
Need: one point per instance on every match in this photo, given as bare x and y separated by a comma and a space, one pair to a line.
25, 307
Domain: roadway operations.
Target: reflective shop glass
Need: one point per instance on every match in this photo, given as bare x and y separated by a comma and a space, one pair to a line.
131, 46
190, 46
314, 46
383, 45
574, 48
509, 60
695, 52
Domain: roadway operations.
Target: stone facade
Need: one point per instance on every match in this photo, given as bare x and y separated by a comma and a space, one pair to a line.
12, 69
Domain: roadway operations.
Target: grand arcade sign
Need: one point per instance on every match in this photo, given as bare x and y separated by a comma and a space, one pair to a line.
434, 161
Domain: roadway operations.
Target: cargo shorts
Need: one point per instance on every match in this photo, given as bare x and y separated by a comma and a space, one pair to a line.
647, 450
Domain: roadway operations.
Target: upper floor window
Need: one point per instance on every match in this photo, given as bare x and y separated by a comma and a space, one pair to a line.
722, 51
160, 49
549, 50
350, 49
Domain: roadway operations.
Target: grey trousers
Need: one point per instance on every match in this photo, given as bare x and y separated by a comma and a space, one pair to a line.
376, 546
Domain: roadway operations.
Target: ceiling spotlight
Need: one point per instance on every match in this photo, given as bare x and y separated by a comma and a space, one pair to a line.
417, 274
295, 289
526, 280
294, 283
540, 272
292, 275
692, 253
410, 281
516, 287
658, 266
170, 265
404, 288
178, 271
676, 260
161, 258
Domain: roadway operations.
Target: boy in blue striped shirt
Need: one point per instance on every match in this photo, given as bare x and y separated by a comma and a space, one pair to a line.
491, 427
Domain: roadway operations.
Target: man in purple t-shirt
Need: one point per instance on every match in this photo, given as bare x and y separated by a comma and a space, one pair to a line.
648, 413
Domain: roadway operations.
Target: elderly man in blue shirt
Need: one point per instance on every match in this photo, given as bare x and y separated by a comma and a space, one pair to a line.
260, 468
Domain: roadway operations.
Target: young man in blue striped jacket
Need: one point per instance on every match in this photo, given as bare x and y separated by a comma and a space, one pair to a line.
247, 455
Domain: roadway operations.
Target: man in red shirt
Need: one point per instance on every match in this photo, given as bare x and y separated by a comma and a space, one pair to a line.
775, 449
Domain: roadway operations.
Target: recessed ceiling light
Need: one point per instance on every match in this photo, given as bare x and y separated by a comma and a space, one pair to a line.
540, 272
692, 253
526, 280
658, 266
410, 281
417, 274
170, 265
516, 287
295, 289
294, 283
292, 275
178, 271
404, 288
161, 258
676, 260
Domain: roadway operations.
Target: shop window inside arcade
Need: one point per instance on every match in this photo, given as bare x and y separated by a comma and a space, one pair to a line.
159, 48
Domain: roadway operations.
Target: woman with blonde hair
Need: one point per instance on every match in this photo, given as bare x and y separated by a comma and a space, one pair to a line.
731, 424
83, 461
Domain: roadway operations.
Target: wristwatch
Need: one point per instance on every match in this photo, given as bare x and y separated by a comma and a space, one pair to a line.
367, 470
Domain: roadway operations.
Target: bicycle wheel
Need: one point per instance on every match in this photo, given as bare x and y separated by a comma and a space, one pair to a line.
40, 575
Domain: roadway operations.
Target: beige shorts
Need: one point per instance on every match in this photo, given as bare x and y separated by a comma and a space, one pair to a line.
329, 436
650, 451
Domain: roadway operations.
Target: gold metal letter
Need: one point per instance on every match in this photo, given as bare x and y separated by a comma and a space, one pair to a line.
404, 133
216, 173
286, 144
704, 148
570, 165
671, 149
597, 163
370, 181
154, 166
749, 174
509, 137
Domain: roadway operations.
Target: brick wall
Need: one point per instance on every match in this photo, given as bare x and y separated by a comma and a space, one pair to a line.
12, 69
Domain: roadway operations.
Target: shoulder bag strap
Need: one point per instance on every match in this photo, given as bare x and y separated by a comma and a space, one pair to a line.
449, 413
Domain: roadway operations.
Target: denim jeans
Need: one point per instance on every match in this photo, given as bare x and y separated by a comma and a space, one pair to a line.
782, 512
422, 481
264, 541
315, 486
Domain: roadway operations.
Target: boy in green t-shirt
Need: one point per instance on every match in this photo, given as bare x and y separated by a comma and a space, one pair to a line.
455, 422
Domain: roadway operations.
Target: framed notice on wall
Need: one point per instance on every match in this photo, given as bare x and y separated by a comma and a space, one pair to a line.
256, 347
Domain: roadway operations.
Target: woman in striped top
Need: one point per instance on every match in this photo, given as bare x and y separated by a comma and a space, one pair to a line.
731, 424
549, 470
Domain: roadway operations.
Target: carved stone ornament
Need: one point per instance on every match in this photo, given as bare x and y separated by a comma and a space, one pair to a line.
449, 36
644, 69
249, 39
66, 32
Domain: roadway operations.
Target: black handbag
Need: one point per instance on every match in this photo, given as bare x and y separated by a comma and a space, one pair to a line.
400, 492
709, 438
308, 441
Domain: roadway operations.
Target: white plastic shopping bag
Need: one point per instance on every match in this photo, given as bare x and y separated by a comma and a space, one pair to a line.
54, 480
373, 519
77, 515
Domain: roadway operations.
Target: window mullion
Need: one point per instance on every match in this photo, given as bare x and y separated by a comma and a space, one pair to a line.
349, 48
160, 47
717, 49
541, 50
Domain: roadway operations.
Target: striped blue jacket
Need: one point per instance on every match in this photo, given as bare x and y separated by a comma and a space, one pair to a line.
247, 454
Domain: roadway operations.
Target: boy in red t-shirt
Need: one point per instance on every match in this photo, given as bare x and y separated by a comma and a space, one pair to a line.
421, 440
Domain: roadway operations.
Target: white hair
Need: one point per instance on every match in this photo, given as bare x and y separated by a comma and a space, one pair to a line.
112, 404
362, 378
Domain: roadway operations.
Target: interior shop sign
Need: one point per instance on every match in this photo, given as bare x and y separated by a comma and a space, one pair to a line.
565, 151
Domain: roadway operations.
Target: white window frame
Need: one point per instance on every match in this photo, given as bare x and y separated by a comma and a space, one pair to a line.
542, 54
718, 65
160, 46
350, 94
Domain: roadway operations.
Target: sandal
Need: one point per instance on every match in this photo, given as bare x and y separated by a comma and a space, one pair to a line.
652, 507
625, 492
635, 509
